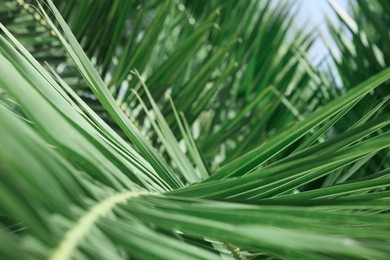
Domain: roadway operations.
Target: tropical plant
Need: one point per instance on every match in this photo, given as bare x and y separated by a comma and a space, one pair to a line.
363, 49
195, 130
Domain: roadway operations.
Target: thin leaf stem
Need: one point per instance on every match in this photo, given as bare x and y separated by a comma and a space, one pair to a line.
75, 235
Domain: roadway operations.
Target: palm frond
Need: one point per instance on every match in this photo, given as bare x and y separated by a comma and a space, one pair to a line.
266, 177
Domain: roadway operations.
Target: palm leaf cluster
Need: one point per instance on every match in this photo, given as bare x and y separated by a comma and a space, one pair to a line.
185, 130
363, 42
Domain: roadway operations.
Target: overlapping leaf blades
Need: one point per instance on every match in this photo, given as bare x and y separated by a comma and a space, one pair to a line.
73, 188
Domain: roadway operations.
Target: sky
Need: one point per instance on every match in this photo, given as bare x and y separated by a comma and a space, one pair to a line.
311, 14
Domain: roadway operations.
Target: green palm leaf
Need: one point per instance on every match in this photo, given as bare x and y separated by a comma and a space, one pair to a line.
293, 187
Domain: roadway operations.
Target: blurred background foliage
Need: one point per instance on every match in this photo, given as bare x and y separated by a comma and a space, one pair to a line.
220, 88
235, 73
